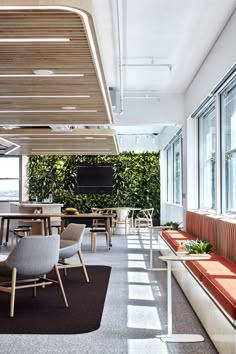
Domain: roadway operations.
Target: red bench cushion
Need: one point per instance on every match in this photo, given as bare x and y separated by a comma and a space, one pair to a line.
223, 288
215, 265
175, 238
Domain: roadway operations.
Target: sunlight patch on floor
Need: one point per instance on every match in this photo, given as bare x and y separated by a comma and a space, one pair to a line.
134, 257
145, 317
138, 277
136, 264
140, 292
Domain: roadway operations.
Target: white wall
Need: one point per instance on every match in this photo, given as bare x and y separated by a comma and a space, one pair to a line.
218, 62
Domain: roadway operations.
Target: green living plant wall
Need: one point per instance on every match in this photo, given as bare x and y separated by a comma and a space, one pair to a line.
136, 181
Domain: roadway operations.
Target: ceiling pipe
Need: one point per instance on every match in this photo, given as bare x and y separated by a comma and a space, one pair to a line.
120, 15
169, 66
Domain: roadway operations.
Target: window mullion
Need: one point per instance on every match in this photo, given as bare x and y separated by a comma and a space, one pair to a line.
218, 158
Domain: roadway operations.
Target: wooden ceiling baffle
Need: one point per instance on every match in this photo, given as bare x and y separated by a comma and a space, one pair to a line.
51, 72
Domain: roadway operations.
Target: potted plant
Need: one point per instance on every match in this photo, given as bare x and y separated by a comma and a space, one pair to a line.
173, 225
197, 246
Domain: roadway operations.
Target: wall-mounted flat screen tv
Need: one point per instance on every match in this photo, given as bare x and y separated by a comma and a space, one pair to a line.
94, 179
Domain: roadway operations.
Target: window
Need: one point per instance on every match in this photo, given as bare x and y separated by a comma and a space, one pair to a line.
169, 175
207, 158
177, 171
9, 178
174, 169
228, 147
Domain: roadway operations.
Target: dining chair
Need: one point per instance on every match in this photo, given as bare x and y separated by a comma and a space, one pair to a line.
28, 264
70, 244
144, 219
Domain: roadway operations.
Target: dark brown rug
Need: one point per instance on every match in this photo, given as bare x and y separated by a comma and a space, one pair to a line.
46, 313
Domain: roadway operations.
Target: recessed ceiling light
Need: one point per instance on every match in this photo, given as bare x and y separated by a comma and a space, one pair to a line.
34, 39
47, 96
9, 127
51, 111
89, 137
69, 107
43, 72
48, 73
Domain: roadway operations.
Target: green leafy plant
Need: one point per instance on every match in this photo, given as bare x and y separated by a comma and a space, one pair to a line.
136, 181
173, 225
197, 246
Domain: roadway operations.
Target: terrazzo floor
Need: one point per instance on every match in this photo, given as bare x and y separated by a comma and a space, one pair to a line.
135, 311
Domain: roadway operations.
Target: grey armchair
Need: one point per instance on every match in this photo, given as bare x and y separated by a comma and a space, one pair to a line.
70, 245
28, 263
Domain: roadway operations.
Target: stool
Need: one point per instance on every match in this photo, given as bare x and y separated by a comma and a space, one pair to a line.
21, 231
94, 232
58, 227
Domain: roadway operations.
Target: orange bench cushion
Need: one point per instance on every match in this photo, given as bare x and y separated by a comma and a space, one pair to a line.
215, 265
175, 238
223, 288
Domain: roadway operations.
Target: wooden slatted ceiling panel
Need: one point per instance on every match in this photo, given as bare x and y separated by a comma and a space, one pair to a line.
73, 57
46, 141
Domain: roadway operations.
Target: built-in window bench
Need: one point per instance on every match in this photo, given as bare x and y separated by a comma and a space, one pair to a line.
210, 286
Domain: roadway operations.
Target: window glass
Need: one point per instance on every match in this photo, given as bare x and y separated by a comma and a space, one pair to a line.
169, 175
228, 138
9, 178
207, 159
177, 172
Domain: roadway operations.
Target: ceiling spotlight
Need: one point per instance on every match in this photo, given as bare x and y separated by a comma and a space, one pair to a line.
43, 72
69, 108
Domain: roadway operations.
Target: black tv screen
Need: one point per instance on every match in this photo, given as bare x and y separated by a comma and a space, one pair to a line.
94, 179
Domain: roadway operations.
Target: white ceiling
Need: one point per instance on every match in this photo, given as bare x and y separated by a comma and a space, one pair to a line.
175, 32
179, 33
151, 50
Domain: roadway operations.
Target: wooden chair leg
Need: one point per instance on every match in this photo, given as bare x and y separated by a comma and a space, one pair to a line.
13, 290
93, 240
60, 285
108, 241
83, 265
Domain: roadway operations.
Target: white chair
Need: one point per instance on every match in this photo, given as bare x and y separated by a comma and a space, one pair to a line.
31, 259
144, 219
70, 245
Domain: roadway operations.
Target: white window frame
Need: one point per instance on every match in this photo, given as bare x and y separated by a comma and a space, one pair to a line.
10, 178
170, 190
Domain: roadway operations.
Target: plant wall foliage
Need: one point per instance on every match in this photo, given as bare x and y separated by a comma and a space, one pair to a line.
136, 180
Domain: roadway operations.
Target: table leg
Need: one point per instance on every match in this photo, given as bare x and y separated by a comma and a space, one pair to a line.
45, 227
108, 228
1, 231
178, 338
7, 233
49, 226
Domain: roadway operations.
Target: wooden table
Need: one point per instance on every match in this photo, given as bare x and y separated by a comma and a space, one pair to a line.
46, 218
66, 218
23, 216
